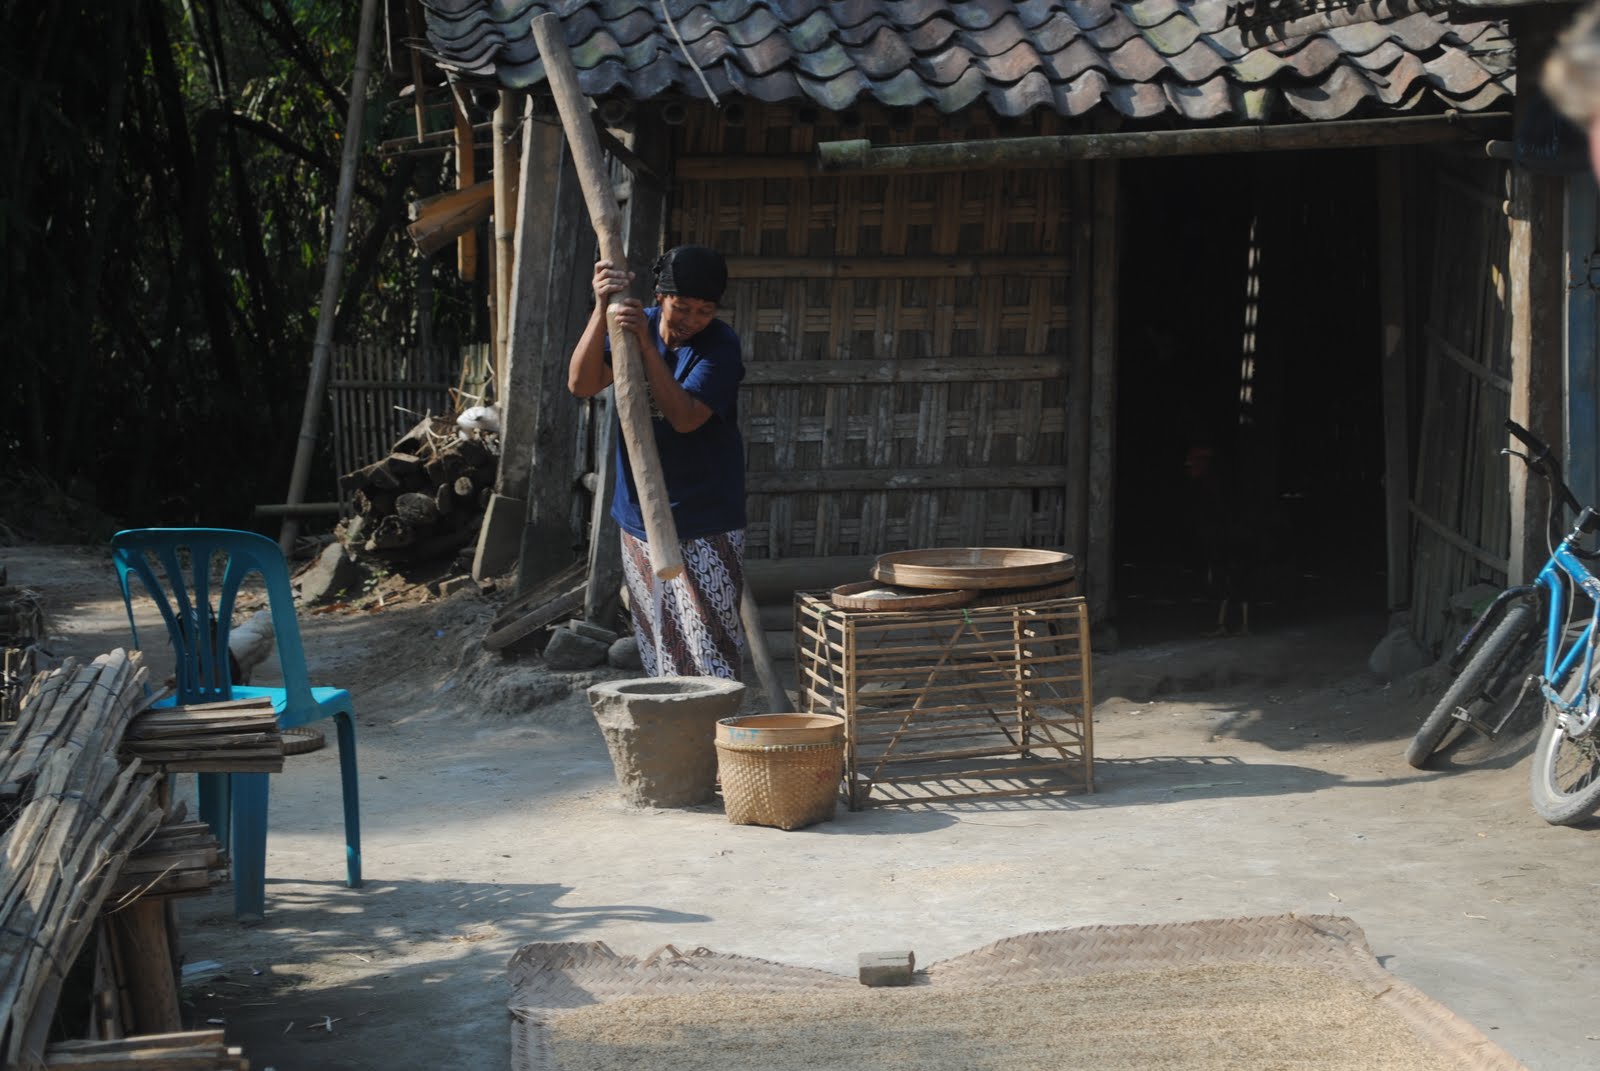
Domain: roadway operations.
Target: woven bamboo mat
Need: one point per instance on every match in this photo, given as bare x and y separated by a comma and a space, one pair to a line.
1174, 966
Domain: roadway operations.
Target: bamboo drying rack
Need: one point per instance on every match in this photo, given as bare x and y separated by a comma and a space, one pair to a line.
959, 703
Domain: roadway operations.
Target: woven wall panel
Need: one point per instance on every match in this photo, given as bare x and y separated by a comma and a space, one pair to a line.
1007, 294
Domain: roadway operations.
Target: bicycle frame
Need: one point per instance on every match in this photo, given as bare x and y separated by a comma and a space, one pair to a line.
1578, 716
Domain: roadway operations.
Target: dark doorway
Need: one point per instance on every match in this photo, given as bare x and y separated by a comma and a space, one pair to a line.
1249, 432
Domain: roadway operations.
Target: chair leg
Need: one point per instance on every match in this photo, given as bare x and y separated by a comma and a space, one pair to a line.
216, 805
346, 725
250, 844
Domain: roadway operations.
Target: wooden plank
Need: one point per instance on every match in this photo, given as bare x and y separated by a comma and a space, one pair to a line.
906, 479
1456, 539
985, 266
567, 603
541, 593
1394, 189
1471, 365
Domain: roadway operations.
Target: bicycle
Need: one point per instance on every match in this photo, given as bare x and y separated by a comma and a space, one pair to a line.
1565, 779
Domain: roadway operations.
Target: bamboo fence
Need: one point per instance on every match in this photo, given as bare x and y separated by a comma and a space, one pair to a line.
378, 393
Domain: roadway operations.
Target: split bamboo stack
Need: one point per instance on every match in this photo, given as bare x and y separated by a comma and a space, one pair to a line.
237, 736
72, 814
199, 1050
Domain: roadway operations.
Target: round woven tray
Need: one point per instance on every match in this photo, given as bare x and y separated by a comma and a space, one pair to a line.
787, 786
874, 595
298, 741
974, 567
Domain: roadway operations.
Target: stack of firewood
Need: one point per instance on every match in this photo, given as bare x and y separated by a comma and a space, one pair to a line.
425, 498
238, 736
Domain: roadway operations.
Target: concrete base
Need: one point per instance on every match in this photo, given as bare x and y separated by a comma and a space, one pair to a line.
660, 732
500, 538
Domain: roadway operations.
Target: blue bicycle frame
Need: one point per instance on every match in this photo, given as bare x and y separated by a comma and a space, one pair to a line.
1558, 663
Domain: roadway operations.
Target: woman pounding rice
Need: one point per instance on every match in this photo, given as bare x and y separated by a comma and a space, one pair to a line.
688, 626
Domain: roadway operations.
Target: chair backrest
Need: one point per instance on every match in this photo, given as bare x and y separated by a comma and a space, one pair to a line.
198, 619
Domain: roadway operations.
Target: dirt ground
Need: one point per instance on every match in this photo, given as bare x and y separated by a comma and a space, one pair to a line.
1251, 776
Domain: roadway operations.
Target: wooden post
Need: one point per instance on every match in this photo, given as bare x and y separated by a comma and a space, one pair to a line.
333, 273
140, 930
520, 412
1103, 394
466, 175
1080, 201
505, 222
1536, 298
632, 392
1394, 209
647, 207
549, 537
1582, 388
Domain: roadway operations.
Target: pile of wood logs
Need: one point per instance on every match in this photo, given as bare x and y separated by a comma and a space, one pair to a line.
426, 497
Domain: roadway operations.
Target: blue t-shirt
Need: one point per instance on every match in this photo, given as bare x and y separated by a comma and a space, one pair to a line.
704, 468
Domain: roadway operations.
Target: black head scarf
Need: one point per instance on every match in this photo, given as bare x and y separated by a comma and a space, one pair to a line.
693, 271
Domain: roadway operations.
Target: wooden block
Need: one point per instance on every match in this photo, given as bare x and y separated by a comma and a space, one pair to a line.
886, 968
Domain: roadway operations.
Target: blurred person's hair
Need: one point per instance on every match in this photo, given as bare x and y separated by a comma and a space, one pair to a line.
1571, 76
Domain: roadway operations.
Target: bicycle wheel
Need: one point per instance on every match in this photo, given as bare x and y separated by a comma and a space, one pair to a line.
1565, 783
1478, 685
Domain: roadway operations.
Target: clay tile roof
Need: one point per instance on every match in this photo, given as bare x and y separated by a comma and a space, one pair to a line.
1142, 58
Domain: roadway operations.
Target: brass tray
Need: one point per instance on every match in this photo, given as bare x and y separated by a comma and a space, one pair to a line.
975, 567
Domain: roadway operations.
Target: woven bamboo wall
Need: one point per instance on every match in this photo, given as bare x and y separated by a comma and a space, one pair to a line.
906, 337
1460, 502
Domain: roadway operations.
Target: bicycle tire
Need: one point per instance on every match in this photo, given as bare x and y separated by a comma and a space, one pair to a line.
1559, 797
1467, 690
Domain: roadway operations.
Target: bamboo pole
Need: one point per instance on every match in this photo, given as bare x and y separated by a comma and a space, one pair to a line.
322, 348
632, 392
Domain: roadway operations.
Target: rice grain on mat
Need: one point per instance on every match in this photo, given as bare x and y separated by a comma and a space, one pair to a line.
1208, 1018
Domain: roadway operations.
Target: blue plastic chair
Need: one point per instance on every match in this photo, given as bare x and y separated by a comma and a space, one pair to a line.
198, 628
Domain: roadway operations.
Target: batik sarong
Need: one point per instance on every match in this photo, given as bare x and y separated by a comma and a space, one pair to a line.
689, 626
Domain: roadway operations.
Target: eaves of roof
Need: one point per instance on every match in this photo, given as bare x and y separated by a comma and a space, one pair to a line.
1144, 59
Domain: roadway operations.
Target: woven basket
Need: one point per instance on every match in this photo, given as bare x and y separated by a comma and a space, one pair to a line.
788, 786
